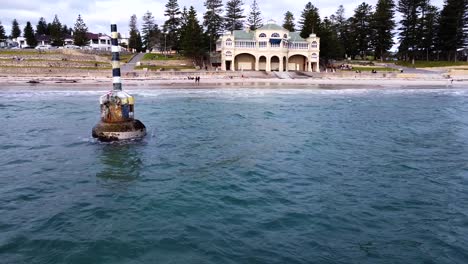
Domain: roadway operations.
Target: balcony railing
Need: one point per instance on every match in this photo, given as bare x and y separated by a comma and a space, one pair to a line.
298, 45
245, 44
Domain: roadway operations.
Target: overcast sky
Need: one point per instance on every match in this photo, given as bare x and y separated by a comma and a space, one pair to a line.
98, 14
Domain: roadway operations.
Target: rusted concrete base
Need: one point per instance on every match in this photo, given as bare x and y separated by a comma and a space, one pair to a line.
107, 132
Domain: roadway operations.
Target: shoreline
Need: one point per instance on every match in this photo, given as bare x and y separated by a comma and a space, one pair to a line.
221, 83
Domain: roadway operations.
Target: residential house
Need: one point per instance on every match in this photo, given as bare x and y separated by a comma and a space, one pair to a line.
99, 41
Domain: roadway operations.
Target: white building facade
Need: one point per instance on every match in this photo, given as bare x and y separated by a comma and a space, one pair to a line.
269, 48
99, 41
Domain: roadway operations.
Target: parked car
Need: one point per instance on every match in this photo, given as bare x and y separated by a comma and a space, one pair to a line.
43, 47
71, 47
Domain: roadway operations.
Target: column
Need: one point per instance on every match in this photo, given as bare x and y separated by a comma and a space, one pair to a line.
309, 65
257, 63
268, 64
281, 64
223, 63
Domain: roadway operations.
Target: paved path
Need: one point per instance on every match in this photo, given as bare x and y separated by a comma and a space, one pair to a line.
128, 67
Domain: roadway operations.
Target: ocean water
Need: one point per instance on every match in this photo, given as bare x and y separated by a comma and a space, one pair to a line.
237, 176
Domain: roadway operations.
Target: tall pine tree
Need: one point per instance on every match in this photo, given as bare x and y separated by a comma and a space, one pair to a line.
80, 30
2, 32
150, 31
234, 18
41, 27
310, 20
288, 22
341, 27
428, 34
329, 48
29, 35
192, 39
184, 17
56, 32
213, 21
254, 20
410, 11
382, 27
453, 27
172, 25
361, 31
15, 29
134, 40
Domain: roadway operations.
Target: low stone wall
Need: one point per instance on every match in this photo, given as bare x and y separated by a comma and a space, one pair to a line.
167, 63
53, 64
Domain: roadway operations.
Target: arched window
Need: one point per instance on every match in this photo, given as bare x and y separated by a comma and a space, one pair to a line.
285, 36
275, 35
228, 42
314, 44
228, 54
262, 35
314, 56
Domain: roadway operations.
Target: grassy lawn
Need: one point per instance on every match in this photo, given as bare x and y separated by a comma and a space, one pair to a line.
24, 52
153, 56
124, 57
165, 68
378, 69
428, 64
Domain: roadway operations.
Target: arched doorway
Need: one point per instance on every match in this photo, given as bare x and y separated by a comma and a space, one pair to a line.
297, 63
262, 63
274, 63
244, 62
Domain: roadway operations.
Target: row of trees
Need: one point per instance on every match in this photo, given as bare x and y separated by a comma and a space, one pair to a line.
182, 31
55, 31
425, 31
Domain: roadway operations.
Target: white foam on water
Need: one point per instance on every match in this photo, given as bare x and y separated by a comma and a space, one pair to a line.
232, 92
255, 92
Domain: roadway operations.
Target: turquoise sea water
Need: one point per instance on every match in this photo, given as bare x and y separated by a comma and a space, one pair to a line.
237, 176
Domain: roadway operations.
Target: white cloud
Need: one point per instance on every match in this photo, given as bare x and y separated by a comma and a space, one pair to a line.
98, 14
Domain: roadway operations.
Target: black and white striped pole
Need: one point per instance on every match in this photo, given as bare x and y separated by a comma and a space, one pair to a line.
116, 79
117, 107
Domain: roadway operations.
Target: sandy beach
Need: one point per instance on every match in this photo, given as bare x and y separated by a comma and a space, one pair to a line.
93, 82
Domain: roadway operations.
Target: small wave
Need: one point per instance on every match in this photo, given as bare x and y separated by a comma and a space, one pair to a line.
233, 92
